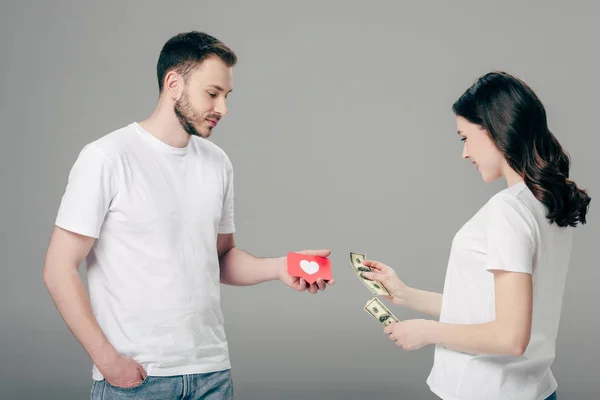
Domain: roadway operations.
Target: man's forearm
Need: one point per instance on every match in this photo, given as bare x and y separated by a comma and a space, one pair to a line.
429, 303
69, 295
239, 268
486, 338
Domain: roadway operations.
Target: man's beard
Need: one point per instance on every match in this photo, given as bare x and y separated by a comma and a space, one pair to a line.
187, 115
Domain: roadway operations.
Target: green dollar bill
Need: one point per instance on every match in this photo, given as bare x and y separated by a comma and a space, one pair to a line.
377, 288
380, 312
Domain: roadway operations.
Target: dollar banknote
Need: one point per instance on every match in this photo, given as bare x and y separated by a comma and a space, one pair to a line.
380, 312
375, 287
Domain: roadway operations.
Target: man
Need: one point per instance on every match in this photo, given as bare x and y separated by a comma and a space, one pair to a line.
150, 208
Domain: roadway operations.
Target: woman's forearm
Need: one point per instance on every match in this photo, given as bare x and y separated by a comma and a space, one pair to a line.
425, 302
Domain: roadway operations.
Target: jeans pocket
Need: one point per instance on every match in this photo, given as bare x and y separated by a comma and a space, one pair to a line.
128, 389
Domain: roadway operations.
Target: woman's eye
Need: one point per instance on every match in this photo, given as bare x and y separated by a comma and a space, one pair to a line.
212, 94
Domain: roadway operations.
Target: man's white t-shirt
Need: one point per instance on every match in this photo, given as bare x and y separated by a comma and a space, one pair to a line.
509, 233
153, 272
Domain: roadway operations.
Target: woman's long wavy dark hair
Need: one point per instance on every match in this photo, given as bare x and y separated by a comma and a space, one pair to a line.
516, 121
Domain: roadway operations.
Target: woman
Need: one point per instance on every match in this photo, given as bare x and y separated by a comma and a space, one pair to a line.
500, 309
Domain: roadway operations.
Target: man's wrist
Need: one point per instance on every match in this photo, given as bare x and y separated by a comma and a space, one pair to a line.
104, 355
279, 267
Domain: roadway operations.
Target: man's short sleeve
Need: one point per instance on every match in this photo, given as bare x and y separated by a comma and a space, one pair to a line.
91, 187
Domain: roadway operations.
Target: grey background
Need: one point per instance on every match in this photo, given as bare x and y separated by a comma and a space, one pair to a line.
341, 135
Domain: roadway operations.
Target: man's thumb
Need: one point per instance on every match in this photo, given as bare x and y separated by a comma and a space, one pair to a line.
142, 371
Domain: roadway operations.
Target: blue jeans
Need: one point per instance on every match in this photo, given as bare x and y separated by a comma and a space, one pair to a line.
211, 386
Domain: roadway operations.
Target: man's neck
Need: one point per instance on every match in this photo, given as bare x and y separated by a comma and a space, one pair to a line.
165, 126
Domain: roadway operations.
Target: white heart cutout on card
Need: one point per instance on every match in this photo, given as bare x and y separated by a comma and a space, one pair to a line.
310, 267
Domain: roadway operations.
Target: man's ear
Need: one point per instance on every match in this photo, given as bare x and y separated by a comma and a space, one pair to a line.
173, 85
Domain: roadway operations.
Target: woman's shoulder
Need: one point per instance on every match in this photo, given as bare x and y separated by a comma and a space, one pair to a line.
516, 201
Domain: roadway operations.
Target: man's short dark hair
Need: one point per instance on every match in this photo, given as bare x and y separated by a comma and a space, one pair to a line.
187, 50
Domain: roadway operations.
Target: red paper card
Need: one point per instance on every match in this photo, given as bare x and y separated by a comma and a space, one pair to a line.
308, 267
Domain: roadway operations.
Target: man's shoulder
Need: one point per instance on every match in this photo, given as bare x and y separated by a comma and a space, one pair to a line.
113, 144
116, 141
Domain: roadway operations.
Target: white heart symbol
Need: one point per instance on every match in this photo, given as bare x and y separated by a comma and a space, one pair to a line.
310, 267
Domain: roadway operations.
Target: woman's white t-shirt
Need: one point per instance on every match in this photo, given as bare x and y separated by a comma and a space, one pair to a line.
510, 232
